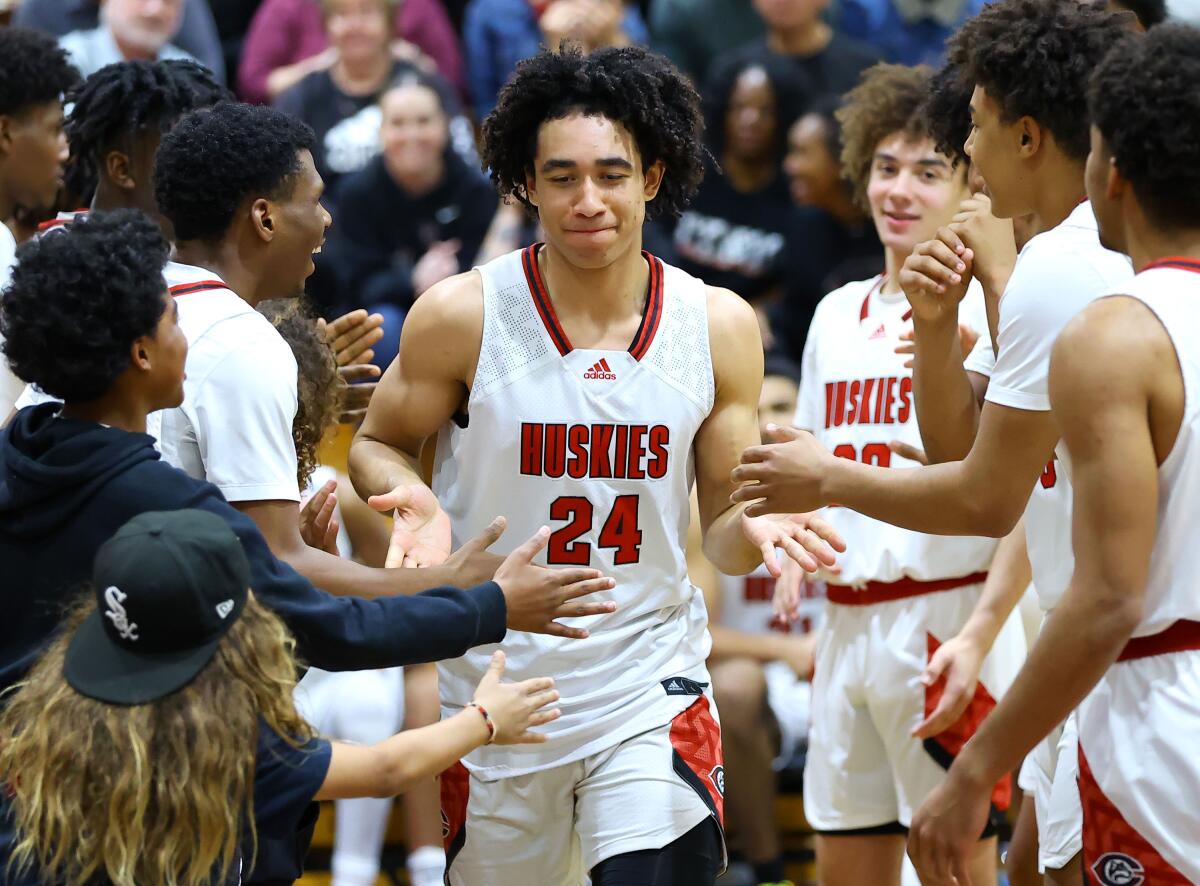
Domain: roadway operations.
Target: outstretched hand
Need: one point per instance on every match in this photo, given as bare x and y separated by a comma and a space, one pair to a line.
782, 477
421, 531
808, 540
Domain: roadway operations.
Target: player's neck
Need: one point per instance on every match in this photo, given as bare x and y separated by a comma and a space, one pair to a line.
115, 409
1146, 243
893, 261
806, 39
607, 294
223, 259
1059, 189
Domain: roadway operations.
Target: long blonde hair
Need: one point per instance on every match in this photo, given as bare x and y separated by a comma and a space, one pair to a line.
157, 793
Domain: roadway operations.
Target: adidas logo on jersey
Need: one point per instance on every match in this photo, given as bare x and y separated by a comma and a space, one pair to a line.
878, 333
601, 371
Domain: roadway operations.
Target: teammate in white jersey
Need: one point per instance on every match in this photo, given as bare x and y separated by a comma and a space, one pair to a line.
1029, 61
588, 384
1124, 378
898, 594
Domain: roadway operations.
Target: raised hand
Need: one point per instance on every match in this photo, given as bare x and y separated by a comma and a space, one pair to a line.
352, 336
536, 595
421, 531
318, 520
990, 240
936, 275
356, 391
473, 563
783, 477
515, 708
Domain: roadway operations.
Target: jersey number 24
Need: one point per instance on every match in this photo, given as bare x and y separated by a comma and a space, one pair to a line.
620, 531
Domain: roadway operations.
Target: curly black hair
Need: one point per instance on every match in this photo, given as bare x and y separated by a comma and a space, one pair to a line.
79, 299
123, 100
34, 70
1149, 12
318, 385
1033, 58
1145, 102
215, 159
793, 95
632, 86
948, 111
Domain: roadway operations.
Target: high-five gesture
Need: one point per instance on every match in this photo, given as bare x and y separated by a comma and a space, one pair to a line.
421, 532
783, 477
515, 708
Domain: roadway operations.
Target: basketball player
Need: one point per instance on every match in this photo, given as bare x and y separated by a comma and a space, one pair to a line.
1029, 60
760, 666
1123, 380
587, 381
898, 594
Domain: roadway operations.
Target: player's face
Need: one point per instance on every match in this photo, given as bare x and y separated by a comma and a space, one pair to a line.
358, 28
1097, 176
35, 151
750, 121
167, 350
143, 25
813, 173
994, 149
300, 230
589, 189
414, 132
913, 190
776, 403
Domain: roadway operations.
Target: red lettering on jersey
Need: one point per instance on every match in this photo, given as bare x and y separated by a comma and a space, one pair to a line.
621, 456
758, 589
905, 409
852, 401
636, 451
555, 453
601, 439
828, 402
531, 449
886, 401
839, 405
660, 439
577, 440
864, 407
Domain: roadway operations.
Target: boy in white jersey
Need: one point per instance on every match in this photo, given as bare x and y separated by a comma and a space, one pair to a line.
1123, 380
898, 594
587, 382
1029, 61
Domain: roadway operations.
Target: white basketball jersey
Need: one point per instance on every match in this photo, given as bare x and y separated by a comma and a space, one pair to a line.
746, 604
1171, 289
856, 396
596, 444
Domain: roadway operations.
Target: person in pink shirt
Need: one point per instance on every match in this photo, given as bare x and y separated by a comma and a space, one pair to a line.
286, 34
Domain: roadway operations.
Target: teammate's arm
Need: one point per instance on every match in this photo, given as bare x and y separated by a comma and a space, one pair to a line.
1103, 368
732, 543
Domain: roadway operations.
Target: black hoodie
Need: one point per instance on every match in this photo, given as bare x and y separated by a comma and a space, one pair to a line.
66, 486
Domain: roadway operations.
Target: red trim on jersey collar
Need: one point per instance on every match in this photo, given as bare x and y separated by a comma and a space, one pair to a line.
1178, 262
198, 286
651, 316
62, 219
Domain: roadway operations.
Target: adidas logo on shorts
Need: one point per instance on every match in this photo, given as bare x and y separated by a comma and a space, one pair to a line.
601, 371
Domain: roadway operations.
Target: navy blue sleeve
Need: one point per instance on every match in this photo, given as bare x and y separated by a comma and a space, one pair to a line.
286, 778
346, 633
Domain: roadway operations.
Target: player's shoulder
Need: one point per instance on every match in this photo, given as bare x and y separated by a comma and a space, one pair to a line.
728, 311
448, 316
1112, 339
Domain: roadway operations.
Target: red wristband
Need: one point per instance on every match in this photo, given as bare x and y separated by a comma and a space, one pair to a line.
487, 720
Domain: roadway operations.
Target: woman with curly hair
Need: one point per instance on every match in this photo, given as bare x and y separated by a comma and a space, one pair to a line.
156, 740
588, 381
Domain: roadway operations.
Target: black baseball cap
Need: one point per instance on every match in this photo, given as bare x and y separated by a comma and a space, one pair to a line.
168, 586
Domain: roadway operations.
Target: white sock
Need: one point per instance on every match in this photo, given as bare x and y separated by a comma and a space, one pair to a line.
426, 866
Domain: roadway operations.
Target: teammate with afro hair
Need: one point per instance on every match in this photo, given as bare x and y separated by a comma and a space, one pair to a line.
581, 332
119, 115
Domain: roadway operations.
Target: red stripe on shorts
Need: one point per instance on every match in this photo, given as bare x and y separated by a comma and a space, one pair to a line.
1113, 851
952, 739
456, 790
696, 737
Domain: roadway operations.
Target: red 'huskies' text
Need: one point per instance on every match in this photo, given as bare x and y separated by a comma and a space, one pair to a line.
868, 401
626, 452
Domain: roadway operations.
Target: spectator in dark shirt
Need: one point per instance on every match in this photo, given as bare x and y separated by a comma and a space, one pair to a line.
796, 31
169, 695
287, 40
830, 240
732, 233
497, 34
197, 33
416, 215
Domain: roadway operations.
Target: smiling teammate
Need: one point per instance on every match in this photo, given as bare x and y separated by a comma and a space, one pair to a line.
589, 382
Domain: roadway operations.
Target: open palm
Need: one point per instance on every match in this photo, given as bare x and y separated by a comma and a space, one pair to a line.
421, 531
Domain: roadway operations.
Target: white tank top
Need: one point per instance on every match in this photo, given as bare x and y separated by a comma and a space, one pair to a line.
596, 444
746, 604
1171, 289
856, 396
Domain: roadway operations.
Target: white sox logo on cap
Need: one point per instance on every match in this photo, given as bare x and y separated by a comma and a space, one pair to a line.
117, 615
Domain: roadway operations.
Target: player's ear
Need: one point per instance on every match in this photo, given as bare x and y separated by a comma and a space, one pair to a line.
119, 170
531, 188
262, 217
6, 127
1029, 133
140, 353
1115, 183
653, 179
